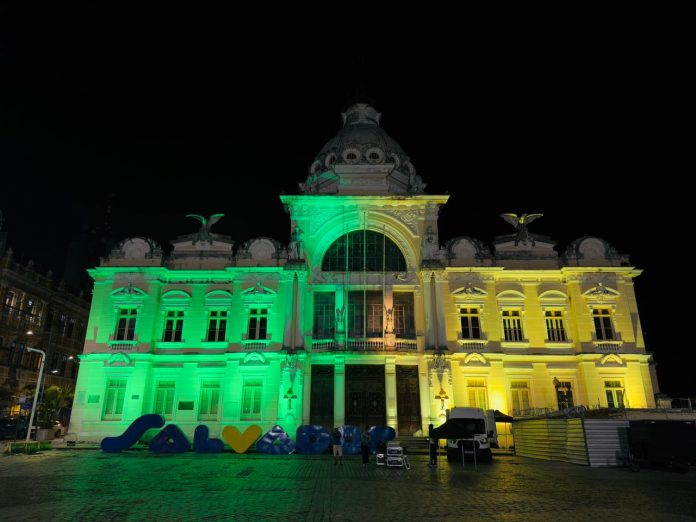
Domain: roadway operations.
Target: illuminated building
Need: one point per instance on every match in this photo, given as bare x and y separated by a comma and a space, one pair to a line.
364, 318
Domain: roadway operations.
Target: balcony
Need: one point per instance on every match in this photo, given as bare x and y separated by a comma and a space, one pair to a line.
256, 344
375, 344
324, 345
607, 345
371, 344
406, 345
472, 345
121, 346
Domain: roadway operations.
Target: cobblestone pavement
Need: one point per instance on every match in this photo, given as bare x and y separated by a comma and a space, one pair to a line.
85, 485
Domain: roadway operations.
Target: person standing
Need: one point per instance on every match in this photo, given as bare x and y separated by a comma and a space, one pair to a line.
337, 439
432, 446
365, 446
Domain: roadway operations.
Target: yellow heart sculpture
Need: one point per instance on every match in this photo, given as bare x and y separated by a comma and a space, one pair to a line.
240, 442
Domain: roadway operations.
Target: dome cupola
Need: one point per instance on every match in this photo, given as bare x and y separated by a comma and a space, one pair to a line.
362, 159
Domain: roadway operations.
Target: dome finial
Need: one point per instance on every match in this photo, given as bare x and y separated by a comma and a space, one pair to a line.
361, 113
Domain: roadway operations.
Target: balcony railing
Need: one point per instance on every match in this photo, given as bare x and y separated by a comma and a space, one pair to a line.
406, 345
472, 345
373, 344
324, 345
608, 346
365, 345
255, 345
122, 346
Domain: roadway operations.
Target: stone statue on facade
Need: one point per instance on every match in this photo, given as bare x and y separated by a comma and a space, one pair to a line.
296, 249
431, 244
204, 231
339, 319
389, 320
520, 223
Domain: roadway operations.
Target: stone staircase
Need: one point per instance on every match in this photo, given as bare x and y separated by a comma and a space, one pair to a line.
413, 445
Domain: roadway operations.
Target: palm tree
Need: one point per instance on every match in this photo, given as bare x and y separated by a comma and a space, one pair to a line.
55, 400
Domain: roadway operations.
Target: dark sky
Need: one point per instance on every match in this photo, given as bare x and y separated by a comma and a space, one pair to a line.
116, 122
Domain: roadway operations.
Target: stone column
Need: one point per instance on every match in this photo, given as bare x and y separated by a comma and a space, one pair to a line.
339, 390
425, 394
307, 390
390, 391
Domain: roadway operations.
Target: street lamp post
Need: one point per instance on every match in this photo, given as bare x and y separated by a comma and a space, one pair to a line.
38, 386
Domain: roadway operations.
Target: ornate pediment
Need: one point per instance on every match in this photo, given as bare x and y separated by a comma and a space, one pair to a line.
475, 359
254, 359
119, 359
470, 292
601, 292
129, 292
611, 359
258, 290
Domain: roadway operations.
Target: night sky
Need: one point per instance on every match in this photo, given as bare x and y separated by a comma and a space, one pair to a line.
115, 123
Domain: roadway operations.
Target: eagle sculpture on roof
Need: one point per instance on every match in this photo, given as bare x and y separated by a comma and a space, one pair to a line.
520, 223
204, 231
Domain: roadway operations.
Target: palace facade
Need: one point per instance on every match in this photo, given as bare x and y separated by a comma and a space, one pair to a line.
363, 319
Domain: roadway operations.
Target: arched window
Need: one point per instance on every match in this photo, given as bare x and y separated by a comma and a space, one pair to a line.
363, 250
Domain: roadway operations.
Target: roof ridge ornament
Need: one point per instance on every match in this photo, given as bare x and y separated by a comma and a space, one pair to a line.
204, 232
520, 223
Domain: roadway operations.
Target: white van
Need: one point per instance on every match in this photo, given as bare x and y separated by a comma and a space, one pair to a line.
475, 423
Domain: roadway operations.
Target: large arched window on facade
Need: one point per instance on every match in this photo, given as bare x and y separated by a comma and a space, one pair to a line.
363, 250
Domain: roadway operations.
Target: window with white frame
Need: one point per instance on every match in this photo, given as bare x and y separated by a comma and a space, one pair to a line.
209, 404
251, 399
477, 393
114, 398
217, 325
512, 325
324, 315
173, 326
470, 321
520, 397
258, 323
604, 330
125, 324
555, 326
615, 393
164, 399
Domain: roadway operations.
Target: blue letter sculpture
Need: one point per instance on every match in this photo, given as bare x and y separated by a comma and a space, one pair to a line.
275, 442
129, 437
379, 434
201, 442
170, 440
351, 440
312, 439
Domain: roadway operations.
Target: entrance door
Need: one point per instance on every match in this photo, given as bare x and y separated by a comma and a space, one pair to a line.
408, 400
365, 405
321, 410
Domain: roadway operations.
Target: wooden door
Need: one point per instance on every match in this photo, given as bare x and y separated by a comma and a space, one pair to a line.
407, 400
321, 410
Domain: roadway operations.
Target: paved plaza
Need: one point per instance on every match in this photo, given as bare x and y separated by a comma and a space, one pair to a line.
86, 485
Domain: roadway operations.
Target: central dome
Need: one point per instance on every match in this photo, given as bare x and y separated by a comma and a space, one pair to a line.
362, 142
361, 131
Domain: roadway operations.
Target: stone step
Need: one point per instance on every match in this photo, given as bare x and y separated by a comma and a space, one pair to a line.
413, 444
